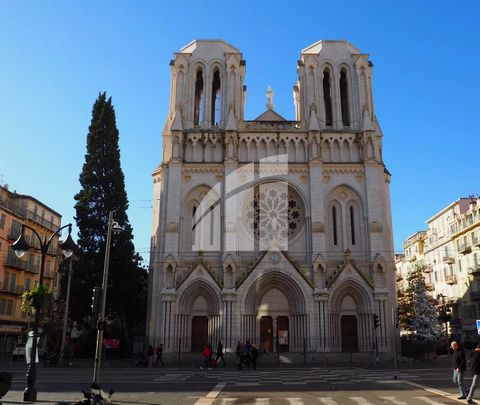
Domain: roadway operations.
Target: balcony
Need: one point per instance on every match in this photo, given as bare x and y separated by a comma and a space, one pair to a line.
429, 286
475, 241
474, 295
412, 258
14, 232
42, 221
474, 270
451, 279
448, 259
464, 248
14, 261
428, 268
12, 289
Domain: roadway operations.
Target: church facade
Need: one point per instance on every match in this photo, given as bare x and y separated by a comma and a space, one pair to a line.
272, 230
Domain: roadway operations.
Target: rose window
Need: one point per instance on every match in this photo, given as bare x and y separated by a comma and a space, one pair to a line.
273, 212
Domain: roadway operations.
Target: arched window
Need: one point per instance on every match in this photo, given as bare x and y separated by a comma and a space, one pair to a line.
199, 96
215, 112
334, 223
344, 97
352, 225
327, 99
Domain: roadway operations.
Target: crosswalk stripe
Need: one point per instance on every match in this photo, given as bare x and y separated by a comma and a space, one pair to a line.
262, 401
360, 401
295, 401
393, 400
226, 401
327, 401
429, 401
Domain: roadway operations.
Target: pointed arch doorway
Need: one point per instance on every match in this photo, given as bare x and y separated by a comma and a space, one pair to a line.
349, 325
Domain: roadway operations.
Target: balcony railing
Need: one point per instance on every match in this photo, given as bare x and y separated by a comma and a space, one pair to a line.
12, 289
427, 268
448, 259
474, 270
42, 221
451, 279
14, 261
464, 248
475, 295
412, 258
429, 286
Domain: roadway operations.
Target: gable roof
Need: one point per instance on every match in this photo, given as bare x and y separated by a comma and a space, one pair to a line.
270, 115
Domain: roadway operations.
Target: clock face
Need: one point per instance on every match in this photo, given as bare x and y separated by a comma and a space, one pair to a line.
275, 258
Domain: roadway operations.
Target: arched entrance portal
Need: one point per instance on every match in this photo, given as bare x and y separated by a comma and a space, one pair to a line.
351, 318
275, 317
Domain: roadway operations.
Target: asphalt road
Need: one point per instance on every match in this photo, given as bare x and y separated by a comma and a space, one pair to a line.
293, 386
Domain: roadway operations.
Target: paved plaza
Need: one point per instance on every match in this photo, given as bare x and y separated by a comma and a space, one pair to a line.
275, 385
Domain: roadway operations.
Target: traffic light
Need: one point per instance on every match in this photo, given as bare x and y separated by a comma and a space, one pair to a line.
376, 321
96, 294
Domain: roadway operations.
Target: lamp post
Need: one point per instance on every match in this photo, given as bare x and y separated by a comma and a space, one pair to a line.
67, 303
444, 316
116, 228
20, 246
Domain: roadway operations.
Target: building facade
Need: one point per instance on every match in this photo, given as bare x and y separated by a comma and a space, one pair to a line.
272, 230
449, 252
19, 275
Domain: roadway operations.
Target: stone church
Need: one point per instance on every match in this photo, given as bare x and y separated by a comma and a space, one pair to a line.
272, 230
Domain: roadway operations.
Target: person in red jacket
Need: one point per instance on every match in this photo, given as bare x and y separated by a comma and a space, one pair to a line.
206, 354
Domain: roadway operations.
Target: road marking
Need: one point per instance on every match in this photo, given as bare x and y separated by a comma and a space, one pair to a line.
212, 395
262, 401
434, 391
393, 400
360, 400
327, 401
429, 401
295, 401
226, 401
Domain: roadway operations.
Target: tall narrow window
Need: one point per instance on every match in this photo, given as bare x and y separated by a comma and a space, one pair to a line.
352, 225
194, 210
215, 112
334, 221
327, 98
198, 113
212, 224
344, 97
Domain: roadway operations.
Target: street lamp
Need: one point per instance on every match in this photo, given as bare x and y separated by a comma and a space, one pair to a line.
116, 228
20, 247
65, 316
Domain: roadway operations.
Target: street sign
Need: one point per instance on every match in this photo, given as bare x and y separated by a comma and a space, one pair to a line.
478, 326
28, 348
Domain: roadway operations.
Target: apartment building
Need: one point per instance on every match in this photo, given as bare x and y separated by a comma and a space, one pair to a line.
450, 251
19, 275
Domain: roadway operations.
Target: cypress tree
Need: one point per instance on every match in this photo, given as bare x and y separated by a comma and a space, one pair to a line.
103, 190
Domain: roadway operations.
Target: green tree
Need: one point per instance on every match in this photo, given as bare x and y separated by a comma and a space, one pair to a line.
103, 190
416, 308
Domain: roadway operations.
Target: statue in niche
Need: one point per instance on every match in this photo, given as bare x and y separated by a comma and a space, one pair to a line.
169, 277
319, 277
379, 277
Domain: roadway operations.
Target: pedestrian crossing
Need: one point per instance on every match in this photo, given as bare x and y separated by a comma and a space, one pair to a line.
316, 375
348, 400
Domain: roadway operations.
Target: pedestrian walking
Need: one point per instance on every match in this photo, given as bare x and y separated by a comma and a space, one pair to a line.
206, 355
475, 363
220, 353
254, 356
159, 351
150, 355
240, 355
459, 367
247, 349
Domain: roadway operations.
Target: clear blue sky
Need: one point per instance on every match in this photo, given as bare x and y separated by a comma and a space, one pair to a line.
55, 57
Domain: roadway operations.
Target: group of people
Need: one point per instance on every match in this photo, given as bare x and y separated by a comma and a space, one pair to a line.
459, 368
207, 355
247, 354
